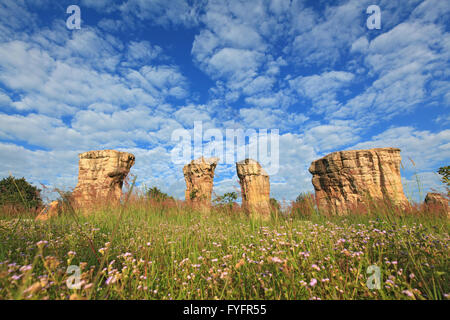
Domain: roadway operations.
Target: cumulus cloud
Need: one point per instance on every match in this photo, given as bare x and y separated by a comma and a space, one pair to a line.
310, 69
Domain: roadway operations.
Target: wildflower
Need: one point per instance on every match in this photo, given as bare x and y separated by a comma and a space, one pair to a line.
316, 267
25, 268
277, 260
313, 282
408, 293
184, 261
41, 244
110, 280
412, 276
88, 286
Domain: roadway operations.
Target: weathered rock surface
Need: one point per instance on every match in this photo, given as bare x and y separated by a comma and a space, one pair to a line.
255, 187
199, 176
100, 177
50, 211
438, 201
347, 178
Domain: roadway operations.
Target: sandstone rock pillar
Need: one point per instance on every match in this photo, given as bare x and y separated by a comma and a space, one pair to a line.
255, 187
199, 176
100, 177
346, 178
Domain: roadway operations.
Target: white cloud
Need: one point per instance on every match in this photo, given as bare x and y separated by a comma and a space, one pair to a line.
427, 150
161, 12
332, 136
329, 36
141, 53
267, 118
322, 89
403, 60
188, 114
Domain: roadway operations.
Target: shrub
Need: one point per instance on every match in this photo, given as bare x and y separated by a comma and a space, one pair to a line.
19, 193
304, 204
275, 204
157, 195
445, 173
226, 200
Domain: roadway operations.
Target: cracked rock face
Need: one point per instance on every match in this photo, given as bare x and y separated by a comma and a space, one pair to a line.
100, 177
255, 187
346, 178
199, 176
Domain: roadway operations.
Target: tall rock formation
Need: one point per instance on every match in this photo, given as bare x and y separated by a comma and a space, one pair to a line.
199, 176
100, 177
255, 187
346, 178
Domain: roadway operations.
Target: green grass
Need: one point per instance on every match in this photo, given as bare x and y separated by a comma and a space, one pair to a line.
160, 252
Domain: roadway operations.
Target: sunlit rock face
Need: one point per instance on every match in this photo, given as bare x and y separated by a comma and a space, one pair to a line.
255, 187
199, 177
344, 179
101, 176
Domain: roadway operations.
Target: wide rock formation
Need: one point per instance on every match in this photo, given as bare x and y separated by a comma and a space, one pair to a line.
437, 201
100, 177
344, 179
199, 176
255, 187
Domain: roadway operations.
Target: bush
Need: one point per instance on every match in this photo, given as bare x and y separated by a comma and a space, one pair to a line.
157, 195
19, 193
445, 173
275, 204
226, 200
304, 204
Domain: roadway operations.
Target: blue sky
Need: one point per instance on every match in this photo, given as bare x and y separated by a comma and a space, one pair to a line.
138, 70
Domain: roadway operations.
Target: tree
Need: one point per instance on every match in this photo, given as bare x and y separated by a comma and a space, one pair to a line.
304, 204
157, 195
303, 197
445, 173
18, 192
226, 200
275, 204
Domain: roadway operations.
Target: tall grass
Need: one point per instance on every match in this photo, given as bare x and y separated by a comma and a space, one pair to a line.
145, 249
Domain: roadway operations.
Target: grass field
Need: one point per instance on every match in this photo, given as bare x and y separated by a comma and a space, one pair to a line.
147, 250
